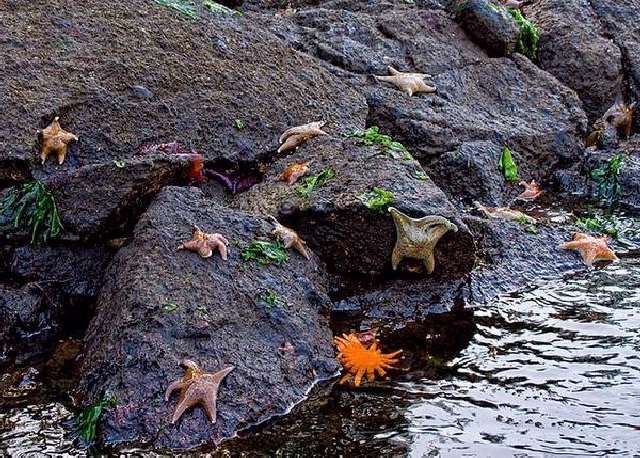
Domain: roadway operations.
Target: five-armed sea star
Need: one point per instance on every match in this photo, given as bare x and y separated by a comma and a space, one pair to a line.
296, 136
204, 244
592, 249
531, 191
358, 360
505, 213
417, 237
53, 139
289, 238
196, 387
411, 83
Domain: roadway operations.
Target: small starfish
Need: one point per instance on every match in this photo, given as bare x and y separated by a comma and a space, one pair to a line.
411, 83
291, 174
505, 213
296, 136
620, 116
55, 140
531, 191
592, 249
417, 237
196, 387
289, 238
204, 244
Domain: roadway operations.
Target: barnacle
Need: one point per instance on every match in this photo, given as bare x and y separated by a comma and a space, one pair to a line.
359, 360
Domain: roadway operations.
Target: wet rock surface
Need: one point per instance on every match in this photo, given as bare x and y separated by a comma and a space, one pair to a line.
159, 305
489, 25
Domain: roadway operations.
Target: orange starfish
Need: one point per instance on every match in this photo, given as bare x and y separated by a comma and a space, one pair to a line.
55, 140
296, 136
196, 387
592, 249
359, 360
204, 244
291, 174
531, 191
290, 238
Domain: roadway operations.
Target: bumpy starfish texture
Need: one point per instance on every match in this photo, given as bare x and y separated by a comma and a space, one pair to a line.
292, 173
359, 360
417, 237
289, 238
296, 136
592, 249
196, 387
204, 244
505, 213
411, 83
531, 191
55, 140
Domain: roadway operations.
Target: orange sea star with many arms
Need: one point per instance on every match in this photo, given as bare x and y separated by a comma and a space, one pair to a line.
359, 360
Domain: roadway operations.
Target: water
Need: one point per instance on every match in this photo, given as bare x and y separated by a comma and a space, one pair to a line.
553, 369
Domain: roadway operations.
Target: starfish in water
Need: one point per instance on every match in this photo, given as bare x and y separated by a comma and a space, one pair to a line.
505, 213
360, 360
411, 83
417, 237
531, 191
592, 249
296, 136
295, 171
204, 244
55, 140
196, 387
289, 238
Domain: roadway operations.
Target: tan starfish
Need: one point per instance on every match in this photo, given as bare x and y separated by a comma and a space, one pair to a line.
411, 83
417, 237
505, 213
592, 249
618, 117
289, 238
55, 140
531, 191
204, 244
196, 387
292, 173
296, 136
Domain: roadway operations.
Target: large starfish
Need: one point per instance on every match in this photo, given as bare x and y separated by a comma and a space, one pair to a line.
296, 136
55, 140
289, 238
204, 244
531, 191
196, 387
411, 83
417, 237
592, 249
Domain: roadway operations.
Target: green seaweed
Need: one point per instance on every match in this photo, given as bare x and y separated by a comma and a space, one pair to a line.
87, 420
529, 37
185, 7
31, 206
311, 183
270, 299
217, 8
602, 224
377, 200
388, 146
508, 166
607, 177
264, 252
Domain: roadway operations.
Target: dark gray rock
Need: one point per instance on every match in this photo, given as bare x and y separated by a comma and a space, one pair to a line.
141, 92
489, 25
159, 305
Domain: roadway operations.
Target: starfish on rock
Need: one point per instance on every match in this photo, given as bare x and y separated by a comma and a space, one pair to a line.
592, 249
411, 83
289, 238
417, 237
361, 360
196, 387
55, 140
204, 244
531, 191
296, 136
295, 171
505, 213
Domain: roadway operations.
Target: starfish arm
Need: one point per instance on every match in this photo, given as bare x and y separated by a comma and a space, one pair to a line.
292, 142
392, 70
345, 378
573, 245
409, 91
423, 87
222, 248
430, 262
396, 257
209, 403
299, 246
358, 378
385, 79
175, 385
381, 372
183, 405
62, 152
204, 250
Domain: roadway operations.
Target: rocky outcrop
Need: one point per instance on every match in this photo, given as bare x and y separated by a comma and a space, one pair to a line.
489, 25
159, 305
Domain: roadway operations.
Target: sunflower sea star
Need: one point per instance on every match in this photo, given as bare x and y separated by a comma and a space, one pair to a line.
55, 140
204, 244
411, 83
592, 249
296, 136
359, 360
196, 387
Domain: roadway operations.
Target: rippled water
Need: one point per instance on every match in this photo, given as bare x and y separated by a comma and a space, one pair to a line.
553, 369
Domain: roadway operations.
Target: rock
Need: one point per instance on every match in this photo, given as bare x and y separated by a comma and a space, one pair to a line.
159, 305
489, 25
141, 92
575, 48
350, 238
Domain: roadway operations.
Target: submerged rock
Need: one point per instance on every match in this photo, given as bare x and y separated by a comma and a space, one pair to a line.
159, 305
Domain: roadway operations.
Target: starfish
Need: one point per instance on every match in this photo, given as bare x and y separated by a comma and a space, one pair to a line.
505, 213
592, 249
196, 387
620, 116
417, 237
517, 4
296, 136
411, 83
55, 140
360, 360
291, 174
204, 244
289, 238
531, 191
